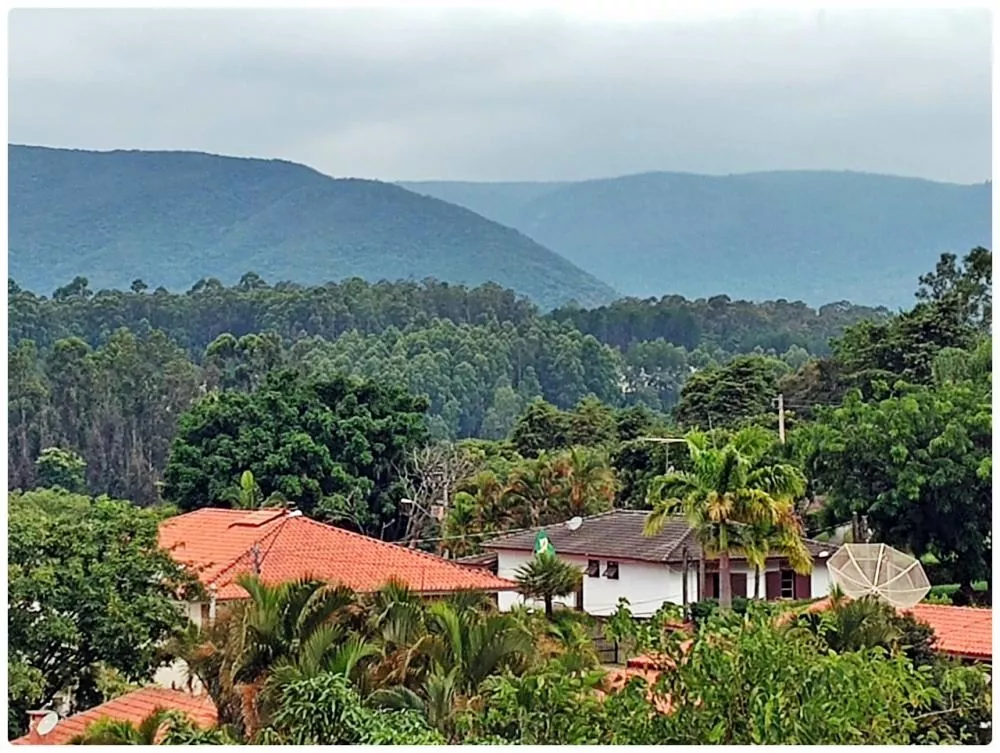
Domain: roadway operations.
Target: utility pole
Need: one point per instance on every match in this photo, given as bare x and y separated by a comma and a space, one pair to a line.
666, 442
781, 417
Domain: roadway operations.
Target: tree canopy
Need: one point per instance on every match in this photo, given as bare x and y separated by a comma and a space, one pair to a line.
332, 445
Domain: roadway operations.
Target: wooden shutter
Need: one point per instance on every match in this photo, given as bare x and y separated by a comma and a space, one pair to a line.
772, 583
738, 584
709, 587
803, 586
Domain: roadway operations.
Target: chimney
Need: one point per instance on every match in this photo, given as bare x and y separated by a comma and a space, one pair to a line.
34, 737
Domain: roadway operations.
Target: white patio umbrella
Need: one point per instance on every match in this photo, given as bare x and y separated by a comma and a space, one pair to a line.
880, 571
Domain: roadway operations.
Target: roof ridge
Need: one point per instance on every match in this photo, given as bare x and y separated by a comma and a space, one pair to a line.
426, 555
273, 531
681, 541
535, 529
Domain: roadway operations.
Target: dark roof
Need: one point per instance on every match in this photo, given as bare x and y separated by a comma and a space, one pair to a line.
486, 560
618, 534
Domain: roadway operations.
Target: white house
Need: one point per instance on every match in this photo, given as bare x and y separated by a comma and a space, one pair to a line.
619, 561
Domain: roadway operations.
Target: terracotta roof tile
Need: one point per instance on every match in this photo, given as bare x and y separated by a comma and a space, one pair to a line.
959, 631
133, 707
219, 545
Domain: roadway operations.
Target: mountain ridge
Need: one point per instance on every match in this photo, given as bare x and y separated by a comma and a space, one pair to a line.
818, 235
174, 217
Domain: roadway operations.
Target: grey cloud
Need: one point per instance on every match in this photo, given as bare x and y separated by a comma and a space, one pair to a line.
488, 96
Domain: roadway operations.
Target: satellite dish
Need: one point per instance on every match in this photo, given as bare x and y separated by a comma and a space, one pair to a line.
880, 571
574, 523
47, 723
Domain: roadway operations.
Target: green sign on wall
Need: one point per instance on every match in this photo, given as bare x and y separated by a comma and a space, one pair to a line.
543, 545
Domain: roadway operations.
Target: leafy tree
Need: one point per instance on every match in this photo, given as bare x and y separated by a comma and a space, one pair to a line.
874, 356
547, 707
326, 710
542, 427
329, 445
88, 588
728, 491
728, 395
793, 692
969, 285
919, 465
592, 423
547, 577
108, 731
63, 469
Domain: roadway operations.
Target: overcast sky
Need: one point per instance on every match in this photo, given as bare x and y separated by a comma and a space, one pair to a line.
485, 95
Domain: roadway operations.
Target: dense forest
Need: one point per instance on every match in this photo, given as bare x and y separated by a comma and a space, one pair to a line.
347, 400
107, 374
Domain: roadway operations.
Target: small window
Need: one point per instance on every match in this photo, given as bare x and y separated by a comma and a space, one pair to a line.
593, 568
204, 614
787, 584
611, 571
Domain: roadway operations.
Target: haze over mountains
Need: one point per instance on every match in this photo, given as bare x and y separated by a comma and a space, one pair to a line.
172, 218
817, 236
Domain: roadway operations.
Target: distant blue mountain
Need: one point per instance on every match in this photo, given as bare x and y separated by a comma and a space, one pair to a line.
172, 218
810, 235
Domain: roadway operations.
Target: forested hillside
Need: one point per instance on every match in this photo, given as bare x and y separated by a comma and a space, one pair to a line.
173, 217
891, 426
106, 374
812, 235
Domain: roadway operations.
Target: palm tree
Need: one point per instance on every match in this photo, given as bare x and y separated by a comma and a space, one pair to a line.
287, 631
248, 495
756, 542
460, 526
459, 648
590, 481
531, 490
547, 577
107, 731
726, 491
852, 624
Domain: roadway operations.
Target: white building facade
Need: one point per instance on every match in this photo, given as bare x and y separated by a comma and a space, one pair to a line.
618, 562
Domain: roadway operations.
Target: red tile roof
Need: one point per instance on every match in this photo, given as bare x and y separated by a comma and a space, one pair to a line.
221, 544
960, 631
133, 707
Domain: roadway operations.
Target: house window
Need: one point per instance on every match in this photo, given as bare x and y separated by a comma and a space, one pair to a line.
611, 571
787, 584
593, 568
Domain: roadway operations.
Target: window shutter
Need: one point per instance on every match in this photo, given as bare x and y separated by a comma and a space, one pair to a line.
738, 584
772, 582
803, 586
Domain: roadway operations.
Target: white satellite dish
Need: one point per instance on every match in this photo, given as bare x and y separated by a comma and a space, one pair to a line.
574, 523
47, 723
880, 571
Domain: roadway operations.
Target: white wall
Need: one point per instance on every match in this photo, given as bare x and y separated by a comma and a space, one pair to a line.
175, 675
645, 584
820, 585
